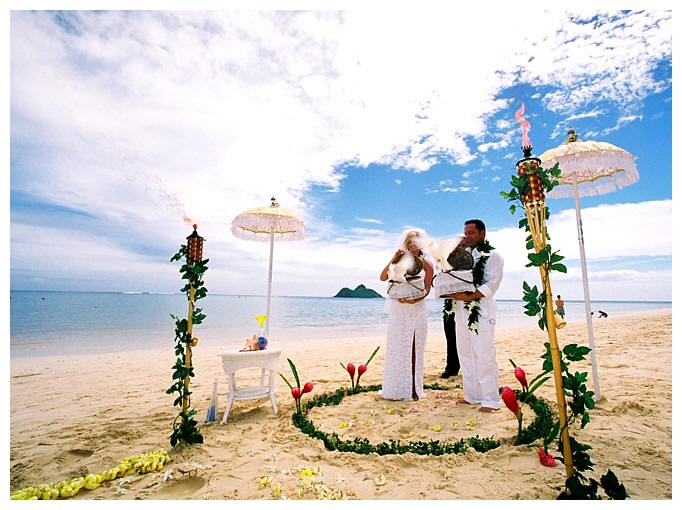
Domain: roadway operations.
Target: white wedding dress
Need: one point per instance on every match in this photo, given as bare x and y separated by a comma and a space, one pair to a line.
405, 322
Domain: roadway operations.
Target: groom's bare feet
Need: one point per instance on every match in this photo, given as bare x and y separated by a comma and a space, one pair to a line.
461, 402
486, 410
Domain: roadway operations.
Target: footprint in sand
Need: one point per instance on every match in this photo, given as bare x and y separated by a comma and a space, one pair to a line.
73, 455
69, 461
181, 489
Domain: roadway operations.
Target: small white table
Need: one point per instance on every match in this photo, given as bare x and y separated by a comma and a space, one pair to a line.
233, 361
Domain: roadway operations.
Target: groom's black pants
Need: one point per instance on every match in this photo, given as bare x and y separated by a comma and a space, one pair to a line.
452, 364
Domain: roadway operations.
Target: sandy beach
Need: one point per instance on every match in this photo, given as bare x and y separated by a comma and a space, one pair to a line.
72, 415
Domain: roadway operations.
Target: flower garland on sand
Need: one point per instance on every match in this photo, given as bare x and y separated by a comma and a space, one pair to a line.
136, 464
474, 307
539, 428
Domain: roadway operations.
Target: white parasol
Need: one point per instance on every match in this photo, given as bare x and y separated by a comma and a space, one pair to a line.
589, 168
268, 224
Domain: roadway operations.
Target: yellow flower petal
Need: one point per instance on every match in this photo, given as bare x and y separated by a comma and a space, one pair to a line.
436, 428
343, 425
389, 410
264, 482
455, 424
422, 436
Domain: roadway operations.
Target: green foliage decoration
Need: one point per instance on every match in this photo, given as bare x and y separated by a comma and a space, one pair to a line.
363, 446
185, 427
473, 307
578, 399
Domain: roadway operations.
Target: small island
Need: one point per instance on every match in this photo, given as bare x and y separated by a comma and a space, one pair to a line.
360, 292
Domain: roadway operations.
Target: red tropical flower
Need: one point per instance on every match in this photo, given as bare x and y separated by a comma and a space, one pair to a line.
307, 387
296, 393
521, 377
545, 458
509, 399
361, 370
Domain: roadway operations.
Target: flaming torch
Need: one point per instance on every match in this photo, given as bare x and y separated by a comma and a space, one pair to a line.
534, 205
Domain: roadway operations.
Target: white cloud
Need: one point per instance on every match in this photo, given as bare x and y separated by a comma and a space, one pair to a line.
620, 230
594, 60
139, 117
485, 147
370, 220
622, 121
355, 256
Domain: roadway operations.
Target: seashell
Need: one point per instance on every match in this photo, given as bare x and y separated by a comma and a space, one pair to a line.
406, 266
460, 259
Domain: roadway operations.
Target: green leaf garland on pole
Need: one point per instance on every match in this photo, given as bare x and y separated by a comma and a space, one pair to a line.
185, 427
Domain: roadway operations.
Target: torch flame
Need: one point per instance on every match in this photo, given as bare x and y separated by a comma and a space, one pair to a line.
525, 125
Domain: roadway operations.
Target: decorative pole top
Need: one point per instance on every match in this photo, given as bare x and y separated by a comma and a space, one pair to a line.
572, 137
195, 245
274, 202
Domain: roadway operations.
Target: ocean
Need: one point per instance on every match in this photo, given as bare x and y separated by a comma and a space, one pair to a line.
46, 323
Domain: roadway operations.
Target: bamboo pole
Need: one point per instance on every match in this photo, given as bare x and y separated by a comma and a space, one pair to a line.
536, 223
188, 350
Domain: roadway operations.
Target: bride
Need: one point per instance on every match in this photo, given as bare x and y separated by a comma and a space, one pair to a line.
406, 337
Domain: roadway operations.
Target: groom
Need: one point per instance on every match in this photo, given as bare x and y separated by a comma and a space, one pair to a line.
475, 318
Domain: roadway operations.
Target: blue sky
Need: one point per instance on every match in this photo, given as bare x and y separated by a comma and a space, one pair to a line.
365, 122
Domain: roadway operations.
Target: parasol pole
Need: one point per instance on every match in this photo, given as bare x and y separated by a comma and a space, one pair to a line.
272, 245
586, 290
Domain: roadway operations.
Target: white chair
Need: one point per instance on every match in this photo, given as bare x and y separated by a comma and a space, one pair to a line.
233, 361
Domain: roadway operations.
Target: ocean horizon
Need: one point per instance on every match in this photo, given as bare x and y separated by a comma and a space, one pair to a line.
46, 323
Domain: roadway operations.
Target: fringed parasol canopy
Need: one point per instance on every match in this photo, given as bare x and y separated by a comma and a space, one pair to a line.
257, 224
269, 224
598, 168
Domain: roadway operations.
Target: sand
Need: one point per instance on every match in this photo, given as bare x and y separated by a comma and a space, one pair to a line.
72, 415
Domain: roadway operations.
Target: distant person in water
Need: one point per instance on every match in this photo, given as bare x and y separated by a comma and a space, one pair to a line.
560, 306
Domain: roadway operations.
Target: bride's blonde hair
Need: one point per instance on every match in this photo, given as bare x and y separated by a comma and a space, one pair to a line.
416, 235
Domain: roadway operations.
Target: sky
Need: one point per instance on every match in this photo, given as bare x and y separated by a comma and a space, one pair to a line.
363, 121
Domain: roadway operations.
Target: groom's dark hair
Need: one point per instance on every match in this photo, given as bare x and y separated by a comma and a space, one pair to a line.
478, 223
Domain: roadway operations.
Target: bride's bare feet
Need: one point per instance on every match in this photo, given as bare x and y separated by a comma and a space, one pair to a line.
461, 402
486, 410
